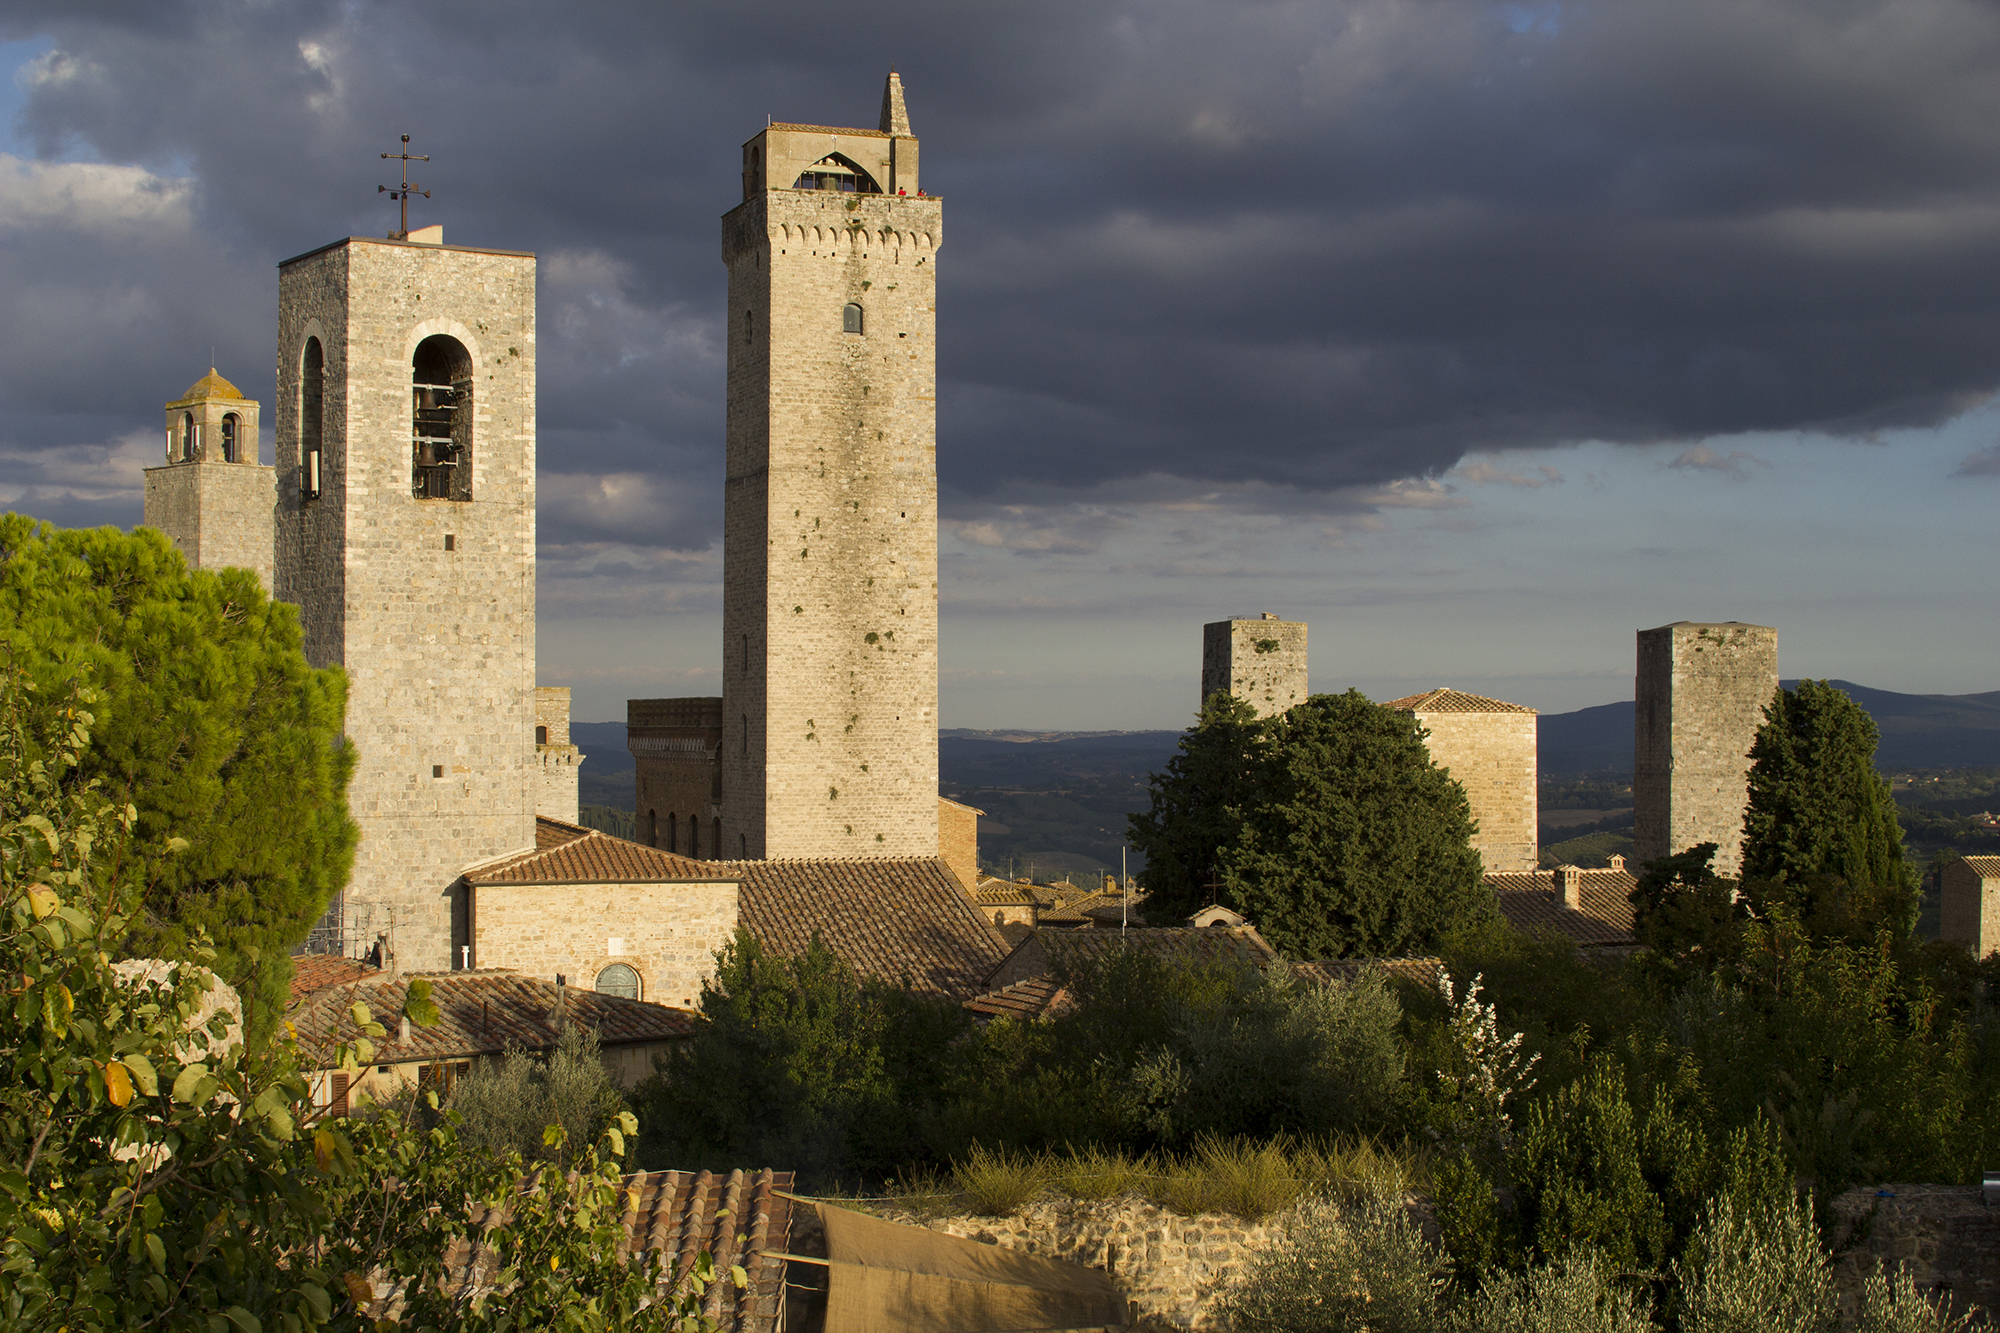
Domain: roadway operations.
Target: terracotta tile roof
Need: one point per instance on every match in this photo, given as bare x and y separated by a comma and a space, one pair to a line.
1452, 701
888, 918
1528, 901
742, 1219
1986, 867
569, 854
829, 129
1060, 953
317, 971
210, 385
1002, 893
480, 1012
1037, 997
1423, 971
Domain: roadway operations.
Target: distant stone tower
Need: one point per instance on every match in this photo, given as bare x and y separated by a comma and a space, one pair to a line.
677, 781
1488, 747
406, 534
212, 497
1262, 662
559, 761
829, 680
1700, 691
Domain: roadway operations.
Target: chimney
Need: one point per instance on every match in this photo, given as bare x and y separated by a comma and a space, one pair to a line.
1569, 887
895, 118
1617, 862
403, 1031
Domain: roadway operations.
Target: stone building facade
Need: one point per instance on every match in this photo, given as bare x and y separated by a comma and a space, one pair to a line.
555, 790
1489, 748
830, 653
1261, 661
212, 498
406, 535
1969, 906
677, 778
958, 840
1701, 690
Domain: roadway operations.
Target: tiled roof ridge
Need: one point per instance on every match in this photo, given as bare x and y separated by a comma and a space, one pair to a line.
590, 858
1445, 699
1983, 864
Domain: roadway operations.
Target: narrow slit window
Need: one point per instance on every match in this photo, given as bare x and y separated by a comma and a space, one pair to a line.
673, 833
541, 735
850, 318
312, 416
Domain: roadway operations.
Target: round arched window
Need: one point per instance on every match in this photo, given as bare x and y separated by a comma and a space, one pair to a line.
618, 979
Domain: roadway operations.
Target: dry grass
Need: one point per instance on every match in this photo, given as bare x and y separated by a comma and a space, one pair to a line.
1096, 1173
999, 1183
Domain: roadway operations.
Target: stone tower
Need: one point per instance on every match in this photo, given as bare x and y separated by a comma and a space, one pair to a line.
555, 756
677, 781
1701, 692
406, 534
1261, 661
212, 498
829, 680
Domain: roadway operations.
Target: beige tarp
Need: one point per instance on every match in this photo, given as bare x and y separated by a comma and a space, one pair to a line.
886, 1278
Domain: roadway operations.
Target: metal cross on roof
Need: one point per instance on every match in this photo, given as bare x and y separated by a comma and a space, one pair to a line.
409, 187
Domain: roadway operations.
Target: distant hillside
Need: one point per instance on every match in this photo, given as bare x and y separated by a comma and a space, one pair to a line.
1918, 731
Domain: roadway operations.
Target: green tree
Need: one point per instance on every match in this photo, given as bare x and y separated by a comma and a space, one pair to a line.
1196, 808
209, 723
1353, 843
1817, 806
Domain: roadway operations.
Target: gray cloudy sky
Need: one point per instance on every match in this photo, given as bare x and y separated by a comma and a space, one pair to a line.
1477, 335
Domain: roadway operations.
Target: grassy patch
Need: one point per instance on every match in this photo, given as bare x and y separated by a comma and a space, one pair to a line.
999, 1183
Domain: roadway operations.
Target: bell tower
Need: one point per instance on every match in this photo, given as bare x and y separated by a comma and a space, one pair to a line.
212, 498
829, 709
406, 535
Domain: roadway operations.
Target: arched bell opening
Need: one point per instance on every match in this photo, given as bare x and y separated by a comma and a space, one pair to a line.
232, 430
441, 420
837, 171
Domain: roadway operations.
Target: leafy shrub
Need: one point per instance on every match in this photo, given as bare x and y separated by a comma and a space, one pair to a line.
1573, 1295
1339, 1269
509, 1104
1579, 1178
1000, 1182
1894, 1305
1754, 1271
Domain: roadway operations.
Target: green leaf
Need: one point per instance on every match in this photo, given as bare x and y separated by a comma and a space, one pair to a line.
738, 1276
243, 1319
189, 1080
156, 1252
143, 1076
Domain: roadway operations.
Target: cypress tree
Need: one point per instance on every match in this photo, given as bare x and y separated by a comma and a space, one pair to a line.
1817, 806
1196, 808
1334, 832
209, 722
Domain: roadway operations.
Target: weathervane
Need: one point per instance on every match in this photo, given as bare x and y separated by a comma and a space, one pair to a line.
409, 187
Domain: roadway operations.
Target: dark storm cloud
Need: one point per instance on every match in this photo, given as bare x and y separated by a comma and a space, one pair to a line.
1298, 251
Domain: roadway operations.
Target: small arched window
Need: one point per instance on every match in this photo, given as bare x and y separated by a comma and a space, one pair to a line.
230, 422
312, 416
618, 979
673, 833
187, 437
541, 735
694, 836
716, 846
850, 318
653, 828
441, 419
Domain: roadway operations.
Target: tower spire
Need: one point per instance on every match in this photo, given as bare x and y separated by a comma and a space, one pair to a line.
895, 117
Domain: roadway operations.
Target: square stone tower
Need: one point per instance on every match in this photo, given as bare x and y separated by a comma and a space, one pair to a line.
406, 534
1969, 906
829, 665
212, 498
1488, 747
677, 781
1701, 690
559, 760
1261, 661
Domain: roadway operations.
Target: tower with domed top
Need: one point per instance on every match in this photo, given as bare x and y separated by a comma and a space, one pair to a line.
211, 497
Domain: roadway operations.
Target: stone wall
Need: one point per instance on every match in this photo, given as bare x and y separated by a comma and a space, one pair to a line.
1260, 661
218, 515
428, 603
1169, 1266
1492, 756
958, 841
667, 932
1969, 907
1700, 694
1946, 1236
829, 737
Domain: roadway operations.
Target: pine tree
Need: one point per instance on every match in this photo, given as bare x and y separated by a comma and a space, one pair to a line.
1817, 806
209, 722
1354, 844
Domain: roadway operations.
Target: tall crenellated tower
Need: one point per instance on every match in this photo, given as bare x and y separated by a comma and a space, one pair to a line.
212, 498
829, 735
406, 534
